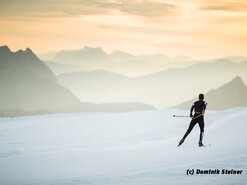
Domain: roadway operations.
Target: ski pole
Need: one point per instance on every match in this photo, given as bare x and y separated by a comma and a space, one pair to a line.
180, 116
188, 116
197, 116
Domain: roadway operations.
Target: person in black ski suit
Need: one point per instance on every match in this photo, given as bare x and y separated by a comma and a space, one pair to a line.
199, 108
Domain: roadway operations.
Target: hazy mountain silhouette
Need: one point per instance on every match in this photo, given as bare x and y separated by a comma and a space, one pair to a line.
84, 55
236, 58
163, 89
88, 59
88, 54
230, 95
61, 68
95, 82
29, 86
120, 56
91, 59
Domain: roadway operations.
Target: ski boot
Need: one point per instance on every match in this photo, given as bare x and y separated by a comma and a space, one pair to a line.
200, 143
180, 142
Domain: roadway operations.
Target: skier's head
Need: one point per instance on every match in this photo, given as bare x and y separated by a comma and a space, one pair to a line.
201, 96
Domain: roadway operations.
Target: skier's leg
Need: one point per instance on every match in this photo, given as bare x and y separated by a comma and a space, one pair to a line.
201, 125
192, 124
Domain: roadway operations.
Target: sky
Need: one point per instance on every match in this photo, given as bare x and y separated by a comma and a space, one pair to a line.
200, 29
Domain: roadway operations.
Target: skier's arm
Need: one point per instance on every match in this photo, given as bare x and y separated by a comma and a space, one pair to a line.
204, 107
191, 110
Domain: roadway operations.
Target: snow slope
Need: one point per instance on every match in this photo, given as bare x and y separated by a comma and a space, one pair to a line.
135, 148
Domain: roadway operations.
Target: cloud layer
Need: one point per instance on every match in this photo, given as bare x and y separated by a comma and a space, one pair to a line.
84, 7
228, 6
198, 28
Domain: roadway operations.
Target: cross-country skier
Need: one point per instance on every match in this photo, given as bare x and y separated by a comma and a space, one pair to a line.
199, 108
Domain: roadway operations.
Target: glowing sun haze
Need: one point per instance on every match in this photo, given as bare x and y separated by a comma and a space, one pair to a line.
197, 28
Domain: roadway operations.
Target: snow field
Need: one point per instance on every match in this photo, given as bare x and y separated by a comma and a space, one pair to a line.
121, 148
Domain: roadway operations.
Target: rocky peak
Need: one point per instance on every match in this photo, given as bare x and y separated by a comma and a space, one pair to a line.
237, 81
28, 53
4, 51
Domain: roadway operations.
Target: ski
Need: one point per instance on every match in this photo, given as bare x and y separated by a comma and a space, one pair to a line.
203, 146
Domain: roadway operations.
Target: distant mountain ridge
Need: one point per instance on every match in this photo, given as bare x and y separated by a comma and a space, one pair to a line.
28, 86
32, 86
86, 54
230, 95
90, 53
90, 59
61, 68
162, 89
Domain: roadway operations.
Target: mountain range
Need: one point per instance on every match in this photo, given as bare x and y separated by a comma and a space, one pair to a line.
91, 59
230, 95
88, 59
98, 54
28, 85
163, 89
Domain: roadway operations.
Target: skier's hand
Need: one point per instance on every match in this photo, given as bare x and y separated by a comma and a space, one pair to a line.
203, 112
191, 117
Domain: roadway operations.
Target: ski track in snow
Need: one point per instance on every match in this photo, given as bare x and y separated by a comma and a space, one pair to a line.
135, 148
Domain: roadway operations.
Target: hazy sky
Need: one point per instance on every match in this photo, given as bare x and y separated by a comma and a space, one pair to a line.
197, 28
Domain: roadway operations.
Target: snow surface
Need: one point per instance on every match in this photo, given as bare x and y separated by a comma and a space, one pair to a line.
135, 148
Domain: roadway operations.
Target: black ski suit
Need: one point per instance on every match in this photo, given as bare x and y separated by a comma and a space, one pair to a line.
198, 107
